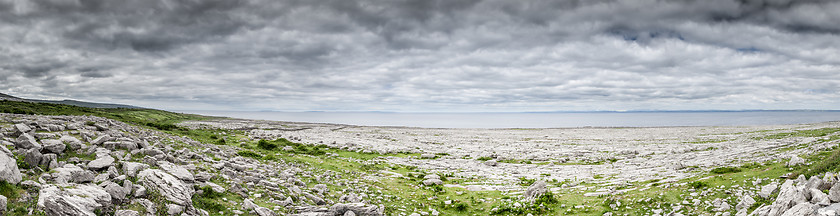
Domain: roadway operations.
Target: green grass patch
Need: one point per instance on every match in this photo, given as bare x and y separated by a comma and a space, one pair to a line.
802, 133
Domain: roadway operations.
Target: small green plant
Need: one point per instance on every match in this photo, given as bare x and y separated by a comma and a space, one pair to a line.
208, 200
546, 198
90, 123
461, 206
526, 181
8, 190
484, 158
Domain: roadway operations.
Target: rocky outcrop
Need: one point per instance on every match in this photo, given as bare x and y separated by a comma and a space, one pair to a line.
801, 197
73, 199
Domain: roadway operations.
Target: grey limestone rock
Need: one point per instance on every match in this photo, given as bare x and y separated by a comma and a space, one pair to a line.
26, 141
802, 209
33, 157
769, 189
746, 202
117, 192
818, 197
173, 209
3, 203
834, 193
72, 143
9, 171
131, 169
491, 163
167, 185
126, 213
795, 161
101, 163
101, 140
317, 200
177, 171
429, 182
54, 146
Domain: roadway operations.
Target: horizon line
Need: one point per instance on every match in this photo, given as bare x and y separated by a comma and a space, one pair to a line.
514, 112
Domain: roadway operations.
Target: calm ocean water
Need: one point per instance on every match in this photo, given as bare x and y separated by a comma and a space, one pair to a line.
541, 120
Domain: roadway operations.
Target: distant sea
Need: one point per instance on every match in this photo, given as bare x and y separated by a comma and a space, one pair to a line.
542, 120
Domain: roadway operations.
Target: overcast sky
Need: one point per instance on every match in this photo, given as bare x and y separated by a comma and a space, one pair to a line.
425, 55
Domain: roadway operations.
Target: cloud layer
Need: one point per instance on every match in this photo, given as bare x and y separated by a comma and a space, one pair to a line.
425, 55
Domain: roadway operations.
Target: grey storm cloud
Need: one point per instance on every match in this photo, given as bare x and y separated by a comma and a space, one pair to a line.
425, 55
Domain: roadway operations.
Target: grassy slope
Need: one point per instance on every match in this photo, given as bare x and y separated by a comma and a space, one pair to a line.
407, 194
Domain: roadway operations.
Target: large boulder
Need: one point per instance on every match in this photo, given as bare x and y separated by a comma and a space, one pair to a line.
72, 143
53, 146
9, 171
26, 141
33, 157
73, 199
429, 182
795, 161
168, 186
118, 193
535, 190
22, 128
177, 171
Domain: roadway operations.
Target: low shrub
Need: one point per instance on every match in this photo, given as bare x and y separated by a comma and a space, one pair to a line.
263, 144
724, 170
249, 154
698, 184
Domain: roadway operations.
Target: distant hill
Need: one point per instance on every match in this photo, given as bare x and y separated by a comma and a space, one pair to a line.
9, 97
67, 102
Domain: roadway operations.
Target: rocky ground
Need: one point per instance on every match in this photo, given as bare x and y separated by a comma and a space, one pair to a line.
623, 154
83, 165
